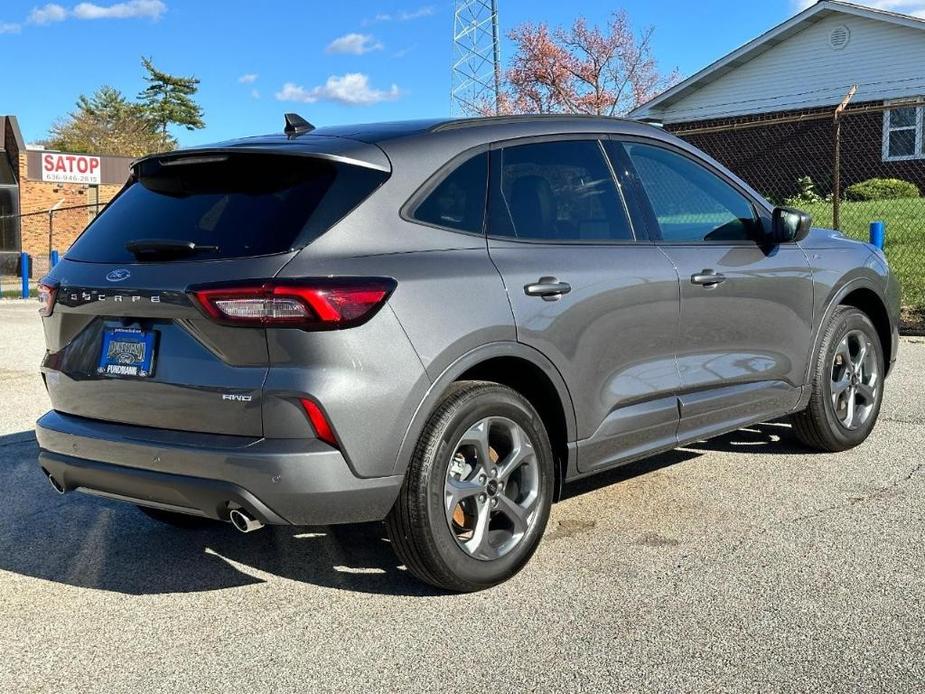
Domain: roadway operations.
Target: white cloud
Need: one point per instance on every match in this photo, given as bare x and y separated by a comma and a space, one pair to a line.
425, 11
133, 9
402, 15
351, 89
916, 8
255, 94
248, 78
47, 14
354, 44
9, 28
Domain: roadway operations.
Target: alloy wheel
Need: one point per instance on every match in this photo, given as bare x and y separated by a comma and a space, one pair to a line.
855, 380
492, 488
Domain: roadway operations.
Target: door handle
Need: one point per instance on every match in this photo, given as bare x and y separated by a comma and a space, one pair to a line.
549, 288
708, 278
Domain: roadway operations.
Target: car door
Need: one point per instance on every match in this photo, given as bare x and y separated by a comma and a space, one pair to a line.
602, 305
746, 304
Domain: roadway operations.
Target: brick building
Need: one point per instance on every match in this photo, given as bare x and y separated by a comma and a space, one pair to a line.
34, 180
766, 110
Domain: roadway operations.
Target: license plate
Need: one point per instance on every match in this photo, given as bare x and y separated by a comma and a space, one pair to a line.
127, 352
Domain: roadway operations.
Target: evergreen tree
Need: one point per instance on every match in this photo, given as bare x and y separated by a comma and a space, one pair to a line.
168, 99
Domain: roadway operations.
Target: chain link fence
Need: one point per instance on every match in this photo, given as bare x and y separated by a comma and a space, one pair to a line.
41, 233
847, 167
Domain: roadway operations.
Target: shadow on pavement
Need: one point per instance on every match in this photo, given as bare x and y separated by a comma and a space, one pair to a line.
771, 437
87, 542
83, 541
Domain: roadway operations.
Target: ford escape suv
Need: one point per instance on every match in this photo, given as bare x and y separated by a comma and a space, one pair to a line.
438, 323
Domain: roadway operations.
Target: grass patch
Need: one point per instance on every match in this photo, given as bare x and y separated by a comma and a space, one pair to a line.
905, 236
17, 293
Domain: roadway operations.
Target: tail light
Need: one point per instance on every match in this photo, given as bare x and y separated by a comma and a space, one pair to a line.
47, 295
322, 304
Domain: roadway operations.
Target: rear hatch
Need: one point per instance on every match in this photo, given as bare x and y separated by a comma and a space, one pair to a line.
126, 340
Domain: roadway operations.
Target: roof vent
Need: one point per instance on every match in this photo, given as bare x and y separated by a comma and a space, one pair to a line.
839, 37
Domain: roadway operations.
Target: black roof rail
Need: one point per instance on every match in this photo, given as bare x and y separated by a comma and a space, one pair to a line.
526, 117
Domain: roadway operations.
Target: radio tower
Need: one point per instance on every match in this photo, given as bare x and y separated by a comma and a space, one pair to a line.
476, 57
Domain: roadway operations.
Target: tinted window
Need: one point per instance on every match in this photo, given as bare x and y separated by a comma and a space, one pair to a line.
557, 191
9, 225
7, 177
242, 204
458, 201
690, 202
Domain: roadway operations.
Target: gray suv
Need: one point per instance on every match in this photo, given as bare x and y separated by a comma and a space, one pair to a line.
438, 324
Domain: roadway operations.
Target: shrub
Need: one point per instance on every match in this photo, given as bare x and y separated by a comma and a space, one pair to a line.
806, 194
881, 189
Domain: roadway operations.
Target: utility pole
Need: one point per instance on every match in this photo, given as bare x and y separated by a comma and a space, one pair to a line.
476, 66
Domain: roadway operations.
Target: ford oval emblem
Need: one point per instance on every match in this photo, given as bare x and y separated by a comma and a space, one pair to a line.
118, 275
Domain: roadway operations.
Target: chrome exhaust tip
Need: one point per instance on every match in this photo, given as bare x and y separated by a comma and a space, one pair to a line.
55, 484
244, 521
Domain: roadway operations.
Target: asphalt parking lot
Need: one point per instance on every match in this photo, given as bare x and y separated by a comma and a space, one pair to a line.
740, 564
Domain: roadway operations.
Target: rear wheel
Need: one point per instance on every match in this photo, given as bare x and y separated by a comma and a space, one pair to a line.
478, 491
847, 384
177, 520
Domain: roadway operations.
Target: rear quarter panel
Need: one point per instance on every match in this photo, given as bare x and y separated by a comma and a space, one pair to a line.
372, 379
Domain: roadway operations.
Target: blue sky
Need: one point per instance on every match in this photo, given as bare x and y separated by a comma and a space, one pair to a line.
333, 62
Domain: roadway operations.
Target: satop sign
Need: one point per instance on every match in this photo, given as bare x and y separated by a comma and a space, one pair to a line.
70, 168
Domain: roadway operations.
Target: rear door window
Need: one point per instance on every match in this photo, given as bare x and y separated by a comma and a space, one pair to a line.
233, 206
458, 201
559, 191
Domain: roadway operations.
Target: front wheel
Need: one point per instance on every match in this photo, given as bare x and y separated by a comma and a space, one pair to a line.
847, 384
478, 490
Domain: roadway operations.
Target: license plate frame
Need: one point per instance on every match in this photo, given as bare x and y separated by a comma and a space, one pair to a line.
127, 353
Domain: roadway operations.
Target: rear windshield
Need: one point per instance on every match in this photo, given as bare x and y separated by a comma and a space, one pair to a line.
230, 206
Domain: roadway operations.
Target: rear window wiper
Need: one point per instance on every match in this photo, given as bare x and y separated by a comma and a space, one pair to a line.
149, 249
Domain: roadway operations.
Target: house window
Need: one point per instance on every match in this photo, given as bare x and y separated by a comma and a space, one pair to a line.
902, 133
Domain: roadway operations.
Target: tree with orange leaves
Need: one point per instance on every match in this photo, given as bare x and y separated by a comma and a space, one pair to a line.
581, 69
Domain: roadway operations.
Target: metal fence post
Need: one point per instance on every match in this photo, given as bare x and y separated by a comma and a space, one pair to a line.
836, 177
51, 225
836, 174
24, 268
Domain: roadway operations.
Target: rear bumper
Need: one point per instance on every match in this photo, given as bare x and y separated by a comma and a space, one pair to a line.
280, 481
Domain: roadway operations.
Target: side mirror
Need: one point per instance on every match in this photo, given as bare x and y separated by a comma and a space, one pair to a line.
789, 224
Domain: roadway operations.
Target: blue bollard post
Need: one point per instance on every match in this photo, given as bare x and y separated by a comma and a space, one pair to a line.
877, 234
24, 267
54, 258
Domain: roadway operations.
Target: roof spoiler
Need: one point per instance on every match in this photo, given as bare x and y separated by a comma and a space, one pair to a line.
296, 125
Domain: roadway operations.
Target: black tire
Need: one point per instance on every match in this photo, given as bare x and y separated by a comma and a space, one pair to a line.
417, 525
818, 426
177, 520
